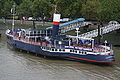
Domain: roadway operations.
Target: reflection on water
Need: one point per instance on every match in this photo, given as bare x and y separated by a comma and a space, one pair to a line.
16, 65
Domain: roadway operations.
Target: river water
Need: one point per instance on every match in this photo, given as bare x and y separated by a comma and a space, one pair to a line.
17, 65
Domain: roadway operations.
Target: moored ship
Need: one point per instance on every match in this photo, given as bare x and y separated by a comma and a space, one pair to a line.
50, 42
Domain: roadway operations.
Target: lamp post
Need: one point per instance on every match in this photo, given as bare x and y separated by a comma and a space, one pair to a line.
13, 13
77, 31
43, 18
60, 43
105, 44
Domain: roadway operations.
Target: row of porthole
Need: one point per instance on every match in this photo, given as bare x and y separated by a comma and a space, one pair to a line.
51, 49
83, 52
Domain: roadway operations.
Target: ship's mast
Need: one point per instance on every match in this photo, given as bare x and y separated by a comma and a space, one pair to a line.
55, 9
13, 14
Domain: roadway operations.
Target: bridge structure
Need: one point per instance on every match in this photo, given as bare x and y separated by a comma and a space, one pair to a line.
113, 25
71, 25
80, 22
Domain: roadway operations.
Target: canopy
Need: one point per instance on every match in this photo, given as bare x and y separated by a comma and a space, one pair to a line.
70, 22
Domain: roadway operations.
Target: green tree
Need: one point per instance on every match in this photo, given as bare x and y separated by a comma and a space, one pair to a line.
109, 10
24, 9
90, 9
6, 10
0, 7
41, 8
18, 1
70, 8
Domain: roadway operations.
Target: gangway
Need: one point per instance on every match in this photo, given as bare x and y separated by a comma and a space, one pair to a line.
104, 30
71, 25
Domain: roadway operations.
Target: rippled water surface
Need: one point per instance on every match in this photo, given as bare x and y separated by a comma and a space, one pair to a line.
17, 65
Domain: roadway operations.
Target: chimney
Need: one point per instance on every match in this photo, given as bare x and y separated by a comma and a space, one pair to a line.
56, 23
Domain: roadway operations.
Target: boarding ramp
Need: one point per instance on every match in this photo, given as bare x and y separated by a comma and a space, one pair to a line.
113, 25
71, 25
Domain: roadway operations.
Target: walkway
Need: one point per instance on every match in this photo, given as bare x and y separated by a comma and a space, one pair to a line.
113, 25
71, 25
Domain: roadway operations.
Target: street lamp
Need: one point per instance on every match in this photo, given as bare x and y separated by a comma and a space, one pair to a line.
43, 18
77, 31
105, 44
13, 13
60, 43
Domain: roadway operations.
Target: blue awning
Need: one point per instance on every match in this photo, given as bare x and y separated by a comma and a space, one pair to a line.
70, 22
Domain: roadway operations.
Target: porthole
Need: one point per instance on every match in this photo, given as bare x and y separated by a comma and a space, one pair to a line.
43, 48
52, 49
55, 49
70, 50
76, 51
59, 49
82, 52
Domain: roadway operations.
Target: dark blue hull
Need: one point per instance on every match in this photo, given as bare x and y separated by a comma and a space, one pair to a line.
37, 49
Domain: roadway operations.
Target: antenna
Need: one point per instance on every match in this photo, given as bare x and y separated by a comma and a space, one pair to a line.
55, 8
56, 11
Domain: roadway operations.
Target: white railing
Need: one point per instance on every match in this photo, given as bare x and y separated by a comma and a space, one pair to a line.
104, 30
74, 26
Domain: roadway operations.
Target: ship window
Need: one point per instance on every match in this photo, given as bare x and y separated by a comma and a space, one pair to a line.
55, 49
76, 51
63, 50
70, 50
73, 50
59, 49
79, 51
34, 32
52, 49
82, 52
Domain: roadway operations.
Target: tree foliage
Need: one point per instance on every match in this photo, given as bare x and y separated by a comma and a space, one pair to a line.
109, 10
6, 8
24, 9
90, 9
40, 8
100, 10
70, 8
